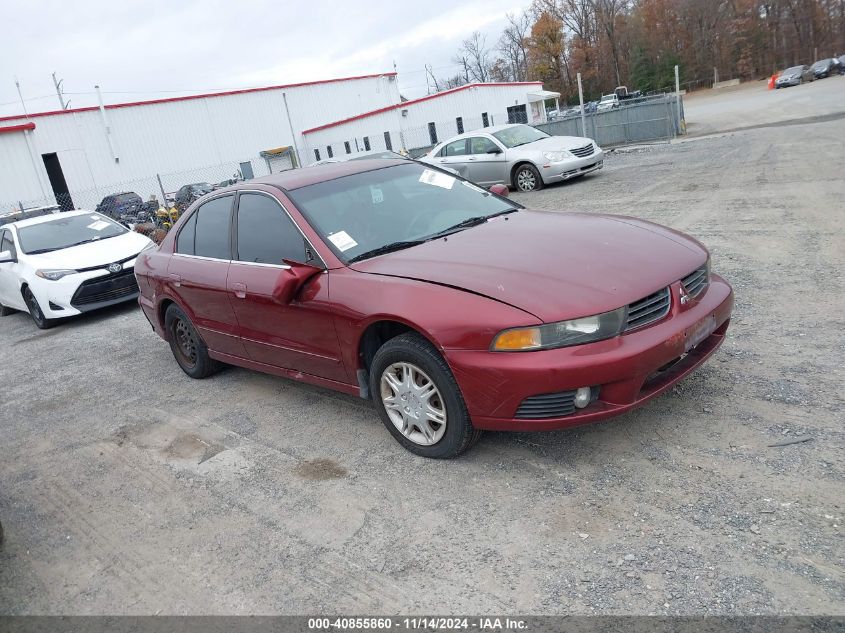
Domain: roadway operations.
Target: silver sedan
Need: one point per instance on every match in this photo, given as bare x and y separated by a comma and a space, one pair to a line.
519, 156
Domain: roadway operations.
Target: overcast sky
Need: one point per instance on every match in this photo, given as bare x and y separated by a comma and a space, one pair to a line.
139, 50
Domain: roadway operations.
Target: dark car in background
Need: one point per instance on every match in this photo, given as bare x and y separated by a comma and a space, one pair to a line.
121, 206
794, 76
825, 68
188, 193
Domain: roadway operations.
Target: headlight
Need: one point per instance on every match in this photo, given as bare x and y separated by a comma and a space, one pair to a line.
54, 275
556, 157
562, 333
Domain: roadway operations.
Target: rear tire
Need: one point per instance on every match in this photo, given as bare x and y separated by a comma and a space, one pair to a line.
449, 438
41, 322
188, 348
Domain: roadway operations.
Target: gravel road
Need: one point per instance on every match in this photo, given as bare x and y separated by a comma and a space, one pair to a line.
127, 488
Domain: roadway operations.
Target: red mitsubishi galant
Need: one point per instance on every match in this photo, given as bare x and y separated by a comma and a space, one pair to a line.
453, 308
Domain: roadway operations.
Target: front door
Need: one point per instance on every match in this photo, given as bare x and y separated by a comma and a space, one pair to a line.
10, 291
197, 274
485, 166
299, 335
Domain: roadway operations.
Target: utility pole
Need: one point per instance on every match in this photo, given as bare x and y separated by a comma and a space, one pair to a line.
58, 84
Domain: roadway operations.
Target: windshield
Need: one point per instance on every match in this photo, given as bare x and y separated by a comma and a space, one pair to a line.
794, 70
519, 135
66, 231
821, 63
127, 198
392, 206
608, 97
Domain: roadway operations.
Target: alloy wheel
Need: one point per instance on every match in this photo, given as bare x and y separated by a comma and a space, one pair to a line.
413, 403
525, 180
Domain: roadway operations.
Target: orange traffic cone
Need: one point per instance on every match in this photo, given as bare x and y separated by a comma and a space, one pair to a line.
772, 80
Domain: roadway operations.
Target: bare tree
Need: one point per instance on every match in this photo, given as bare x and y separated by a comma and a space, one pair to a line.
475, 57
512, 47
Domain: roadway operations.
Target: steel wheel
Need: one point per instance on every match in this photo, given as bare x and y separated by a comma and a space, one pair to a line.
186, 343
527, 179
413, 403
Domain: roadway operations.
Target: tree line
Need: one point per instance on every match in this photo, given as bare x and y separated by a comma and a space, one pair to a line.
637, 43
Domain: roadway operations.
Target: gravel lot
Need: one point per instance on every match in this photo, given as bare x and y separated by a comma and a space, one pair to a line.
127, 488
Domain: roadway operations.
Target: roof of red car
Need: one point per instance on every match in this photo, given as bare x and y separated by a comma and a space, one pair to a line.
296, 178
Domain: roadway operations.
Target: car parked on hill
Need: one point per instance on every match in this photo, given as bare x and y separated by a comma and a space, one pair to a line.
608, 102
517, 155
454, 309
61, 265
825, 68
794, 76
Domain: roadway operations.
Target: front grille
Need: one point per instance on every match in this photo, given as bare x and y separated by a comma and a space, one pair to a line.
110, 288
548, 405
583, 152
653, 308
696, 282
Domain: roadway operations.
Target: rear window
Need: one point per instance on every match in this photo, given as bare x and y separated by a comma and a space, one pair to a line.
67, 231
124, 198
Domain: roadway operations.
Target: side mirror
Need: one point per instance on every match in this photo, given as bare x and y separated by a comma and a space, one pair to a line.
495, 150
291, 280
499, 190
6, 257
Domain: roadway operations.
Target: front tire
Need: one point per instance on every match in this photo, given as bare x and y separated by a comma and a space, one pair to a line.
4, 311
419, 400
527, 178
41, 322
188, 348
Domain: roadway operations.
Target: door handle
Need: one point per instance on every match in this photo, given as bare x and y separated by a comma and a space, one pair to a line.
472, 158
176, 279
239, 289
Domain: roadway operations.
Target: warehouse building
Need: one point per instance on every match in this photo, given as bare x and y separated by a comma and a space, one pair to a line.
76, 157
414, 126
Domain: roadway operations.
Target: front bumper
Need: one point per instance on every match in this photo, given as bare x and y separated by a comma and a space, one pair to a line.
787, 82
62, 298
494, 384
565, 170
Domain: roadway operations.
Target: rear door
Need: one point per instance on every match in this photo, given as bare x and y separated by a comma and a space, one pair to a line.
299, 335
454, 155
197, 274
486, 168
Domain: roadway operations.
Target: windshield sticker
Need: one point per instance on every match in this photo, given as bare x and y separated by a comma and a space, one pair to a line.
377, 194
472, 186
436, 178
342, 241
99, 225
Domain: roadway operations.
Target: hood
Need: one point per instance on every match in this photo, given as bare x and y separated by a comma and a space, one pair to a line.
113, 249
553, 265
553, 143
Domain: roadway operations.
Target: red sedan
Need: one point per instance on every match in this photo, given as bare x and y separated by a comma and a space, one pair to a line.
453, 308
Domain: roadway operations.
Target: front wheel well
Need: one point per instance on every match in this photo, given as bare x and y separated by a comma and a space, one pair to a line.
516, 168
376, 335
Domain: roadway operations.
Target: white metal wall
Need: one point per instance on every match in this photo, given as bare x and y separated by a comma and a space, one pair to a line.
175, 137
469, 104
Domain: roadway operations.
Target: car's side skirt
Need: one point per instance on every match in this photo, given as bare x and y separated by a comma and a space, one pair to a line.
293, 374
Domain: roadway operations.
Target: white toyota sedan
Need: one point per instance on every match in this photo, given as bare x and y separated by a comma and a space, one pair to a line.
64, 264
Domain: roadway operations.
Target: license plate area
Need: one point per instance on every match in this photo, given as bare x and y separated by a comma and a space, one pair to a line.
698, 332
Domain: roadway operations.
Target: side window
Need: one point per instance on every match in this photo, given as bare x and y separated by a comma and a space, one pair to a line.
481, 145
266, 235
185, 239
212, 231
6, 243
455, 148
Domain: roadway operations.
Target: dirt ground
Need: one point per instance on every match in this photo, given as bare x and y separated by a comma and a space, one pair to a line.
127, 488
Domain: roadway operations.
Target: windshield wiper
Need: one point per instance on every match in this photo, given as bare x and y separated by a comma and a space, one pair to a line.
387, 248
469, 222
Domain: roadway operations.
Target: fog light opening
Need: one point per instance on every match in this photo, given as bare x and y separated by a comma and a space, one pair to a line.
583, 397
